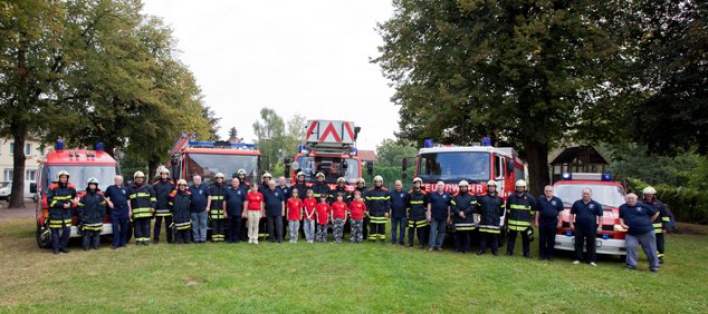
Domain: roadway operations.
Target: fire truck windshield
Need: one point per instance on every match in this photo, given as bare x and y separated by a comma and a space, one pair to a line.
78, 175
332, 167
207, 166
454, 166
607, 195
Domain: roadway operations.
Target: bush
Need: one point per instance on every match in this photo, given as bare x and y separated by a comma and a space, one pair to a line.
687, 204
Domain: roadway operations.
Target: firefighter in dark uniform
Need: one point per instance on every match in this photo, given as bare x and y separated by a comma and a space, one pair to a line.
163, 188
520, 214
341, 188
60, 198
378, 205
361, 187
417, 207
320, 188
263, 222
217, 212
490, 208
142, 206
92, 210
300, 185
661, 223
463, 205
180, 203
242, 179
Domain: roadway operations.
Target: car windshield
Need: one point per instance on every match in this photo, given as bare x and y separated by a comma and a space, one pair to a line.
207, 166
470, 166
607, 195
332, 167
78, 175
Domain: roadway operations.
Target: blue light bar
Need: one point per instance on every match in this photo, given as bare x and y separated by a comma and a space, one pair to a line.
60, 144
567, 176
606, 177
428, 143
301, 148
354, 151
99, 146
486, 141
212, 144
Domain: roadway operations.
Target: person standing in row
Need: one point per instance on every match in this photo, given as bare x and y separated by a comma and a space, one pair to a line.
255, 208
661, 224
308, 221
60, 199
463, 205
637, 218
417, 213
180, 205
399, 205
361, 187
340, 189
163, 187
294, 213
92, 209
378, 204
548, 219
234, 198
439, 216
490, 209
519, 208
323, 218
339, 217
585, 221
199, 208
275, 210
320, 187
217, 212
301, 186
357, 210
142, 206
117, 196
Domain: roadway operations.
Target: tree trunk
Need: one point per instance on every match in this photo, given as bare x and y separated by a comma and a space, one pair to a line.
19, 135
537, 158
152, 169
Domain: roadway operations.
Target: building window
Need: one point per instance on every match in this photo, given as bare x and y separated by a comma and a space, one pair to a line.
28, 149
41, 151
31, 175
7, 174
12, 148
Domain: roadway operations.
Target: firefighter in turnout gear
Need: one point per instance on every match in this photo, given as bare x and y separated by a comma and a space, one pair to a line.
520, 214
60, 198
217, 212
661, 223
463, 206
91, 210
378, 205
340, 189
490, 208
301, 186
141, 206
180, 202
242, 179
361, 187
163, 187
320, 188
417, 206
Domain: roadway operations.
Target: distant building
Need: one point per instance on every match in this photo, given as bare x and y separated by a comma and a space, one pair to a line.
576, 159
367, 155
33, 151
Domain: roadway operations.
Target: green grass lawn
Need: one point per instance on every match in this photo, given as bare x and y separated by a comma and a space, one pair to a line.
336, 278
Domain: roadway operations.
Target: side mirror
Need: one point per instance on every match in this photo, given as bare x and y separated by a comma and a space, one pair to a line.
510, 166
33, 187
175, 167
370, 168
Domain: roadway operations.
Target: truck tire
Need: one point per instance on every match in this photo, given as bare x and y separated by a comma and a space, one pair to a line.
44, 237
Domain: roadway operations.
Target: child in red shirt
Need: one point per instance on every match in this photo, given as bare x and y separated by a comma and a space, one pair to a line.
294, 213
339, 216
357, 208
323, 219
254, 206
308, 222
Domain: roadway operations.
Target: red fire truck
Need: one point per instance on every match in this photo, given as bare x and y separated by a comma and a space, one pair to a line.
330, 148
610, 194
206, 159
81, 164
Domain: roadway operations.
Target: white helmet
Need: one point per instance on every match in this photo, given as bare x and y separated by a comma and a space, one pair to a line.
361, 180
165, 170
341, 180
491, 182
521, 183
63, 173
219, 175
300, 174
419, 180
320, 174
92, 181
378, 178
267, 175
241, 171
138, 174
463, 183
181, 182
649, 190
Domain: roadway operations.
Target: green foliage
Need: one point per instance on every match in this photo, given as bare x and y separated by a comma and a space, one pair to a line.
276, 139
685, 170
687, 204
390, 153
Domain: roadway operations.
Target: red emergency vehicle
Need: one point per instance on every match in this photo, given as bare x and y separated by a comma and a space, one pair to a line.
330, 148
610, 194
81, 164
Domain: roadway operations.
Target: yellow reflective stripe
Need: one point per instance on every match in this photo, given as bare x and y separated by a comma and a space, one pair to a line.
520, 207
81, 204
377, 198
453, 202
666, 219
519, 222
218, 198
416, 202
153, 199
378, 220
62, 198
53, 203
143, 194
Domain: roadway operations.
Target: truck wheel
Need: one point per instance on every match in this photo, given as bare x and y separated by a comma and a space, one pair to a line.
44, 237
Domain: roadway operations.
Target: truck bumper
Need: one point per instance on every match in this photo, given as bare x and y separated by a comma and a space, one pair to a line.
107, 229
602, 246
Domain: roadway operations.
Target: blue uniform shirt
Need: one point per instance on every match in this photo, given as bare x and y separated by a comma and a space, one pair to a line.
234, 200
586, 215
439, 204
273, 202
637, 218
119, 197
285, 190
398, 203
200, 195
548, 210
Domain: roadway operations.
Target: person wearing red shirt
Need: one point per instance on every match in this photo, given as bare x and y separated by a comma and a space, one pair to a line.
339, 216
357, 208
308, 222
294, 213
254, 210
323, 210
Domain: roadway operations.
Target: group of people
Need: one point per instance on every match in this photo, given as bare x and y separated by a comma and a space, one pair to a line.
428, 215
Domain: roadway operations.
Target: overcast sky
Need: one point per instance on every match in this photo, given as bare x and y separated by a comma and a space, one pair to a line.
297, 57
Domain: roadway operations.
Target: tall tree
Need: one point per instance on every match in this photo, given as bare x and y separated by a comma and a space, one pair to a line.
295, 134
390, 153
518, 71
270, 131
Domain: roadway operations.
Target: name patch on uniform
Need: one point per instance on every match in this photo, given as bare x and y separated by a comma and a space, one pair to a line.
553, 203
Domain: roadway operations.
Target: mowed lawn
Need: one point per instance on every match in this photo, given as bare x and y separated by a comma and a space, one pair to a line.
330, 278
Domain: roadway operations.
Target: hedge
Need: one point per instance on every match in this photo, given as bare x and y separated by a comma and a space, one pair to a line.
687, 204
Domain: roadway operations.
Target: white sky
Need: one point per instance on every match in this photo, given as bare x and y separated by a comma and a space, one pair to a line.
298, 57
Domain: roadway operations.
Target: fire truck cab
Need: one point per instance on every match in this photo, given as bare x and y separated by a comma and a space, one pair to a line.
610, 194
81, 164
330, 148
206, 159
